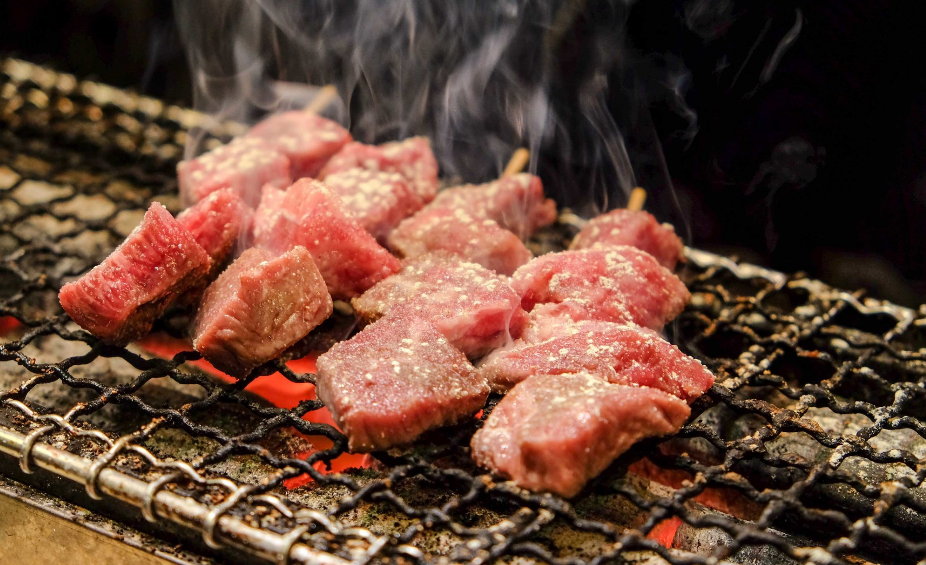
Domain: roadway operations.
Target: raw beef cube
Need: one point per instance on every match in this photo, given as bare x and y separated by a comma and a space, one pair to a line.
307, 139
258, 307
216, 222
268, 213
455, 230
394, 380
471, 306
635, 228
555, 432
244, 165
616, 284
310, 215
516, 202
119, 299
624, 355
412, 158
377, 200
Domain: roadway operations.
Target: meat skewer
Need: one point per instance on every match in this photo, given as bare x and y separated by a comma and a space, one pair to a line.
555, 432
119, 299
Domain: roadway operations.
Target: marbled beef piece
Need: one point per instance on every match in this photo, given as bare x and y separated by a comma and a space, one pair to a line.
411, 158
480, 241
635, 228
310, 215
307, 139
376, 199
244, 165
470, 305
614, 284
258, 307
556, 432
394, 380
625, 355
216, 223
516, 202
119, 299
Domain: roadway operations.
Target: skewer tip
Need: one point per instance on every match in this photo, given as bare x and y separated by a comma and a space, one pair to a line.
637, 199
518, 161
325, 96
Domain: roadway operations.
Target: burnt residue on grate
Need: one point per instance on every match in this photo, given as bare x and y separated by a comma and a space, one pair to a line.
810, 447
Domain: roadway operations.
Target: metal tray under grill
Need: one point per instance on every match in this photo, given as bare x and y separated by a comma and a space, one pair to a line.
809, 449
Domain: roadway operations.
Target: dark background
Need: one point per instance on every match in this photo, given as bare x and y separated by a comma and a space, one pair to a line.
809, 147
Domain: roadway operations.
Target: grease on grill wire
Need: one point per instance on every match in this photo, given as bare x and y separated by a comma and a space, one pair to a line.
813, 432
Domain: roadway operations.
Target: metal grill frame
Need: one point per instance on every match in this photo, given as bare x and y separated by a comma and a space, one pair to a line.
120, 124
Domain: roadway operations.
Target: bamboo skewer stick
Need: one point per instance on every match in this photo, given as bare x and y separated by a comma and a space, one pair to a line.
325, 96
518, 161
637, 199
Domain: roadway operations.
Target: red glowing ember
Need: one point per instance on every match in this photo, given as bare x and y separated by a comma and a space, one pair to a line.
276, 389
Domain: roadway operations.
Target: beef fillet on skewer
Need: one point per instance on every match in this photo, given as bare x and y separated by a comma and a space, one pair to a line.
396, 379
119, 299
635, 228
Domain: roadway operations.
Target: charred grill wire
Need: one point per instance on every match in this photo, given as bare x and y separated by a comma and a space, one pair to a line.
809, 449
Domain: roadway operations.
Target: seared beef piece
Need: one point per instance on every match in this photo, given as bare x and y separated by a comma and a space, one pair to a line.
244, 165
635, 228
310, 215
471, 306
516, 202
376, 199
216, 222
120, 298
616, 284
555, 432
307, 139
624, 355
411, 158
455, 230
261, 305
394, 380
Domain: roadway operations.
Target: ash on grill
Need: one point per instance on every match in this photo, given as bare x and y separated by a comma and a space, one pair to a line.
810, 447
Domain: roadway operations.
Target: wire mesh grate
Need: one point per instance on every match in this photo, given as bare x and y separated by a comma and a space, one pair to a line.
809, 449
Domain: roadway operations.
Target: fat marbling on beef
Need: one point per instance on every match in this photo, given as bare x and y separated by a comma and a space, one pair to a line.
244, 165
310, 215
635, 228
260, 306
470, 305
394, 380
376, 199
307, 139
119, 299
516, 202
625, 355
614, 284
480, 241
411, 158
555, 432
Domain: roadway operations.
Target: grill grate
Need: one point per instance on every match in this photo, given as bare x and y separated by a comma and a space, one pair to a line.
809, 449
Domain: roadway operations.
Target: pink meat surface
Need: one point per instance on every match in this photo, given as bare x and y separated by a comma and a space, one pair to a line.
119, 299
216, 222
394, 380
471, 306
516, 202
259, 307
307, 139
635, 228
455, 230
412, 158
615, 284
556, 432
244, 165
376, 199
624, 355
310, 215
